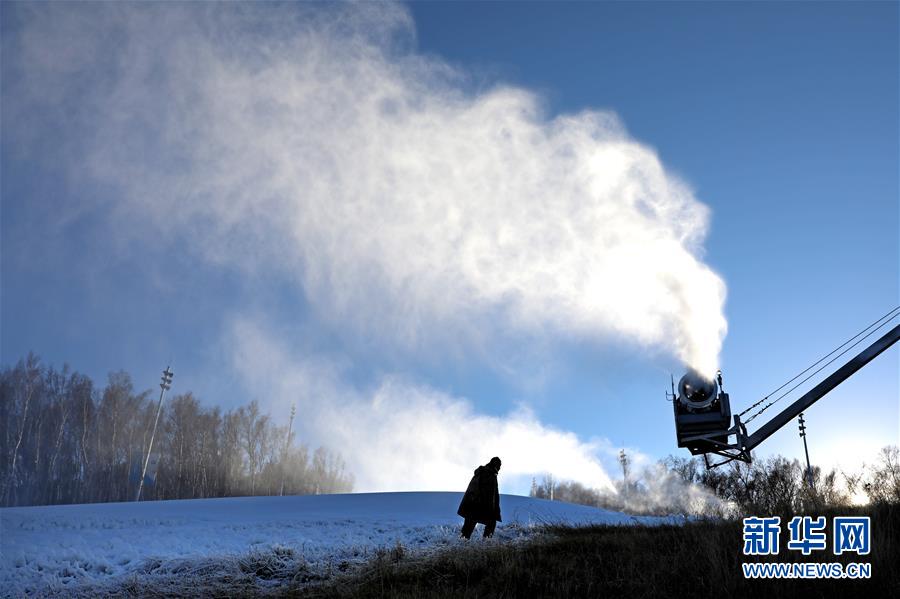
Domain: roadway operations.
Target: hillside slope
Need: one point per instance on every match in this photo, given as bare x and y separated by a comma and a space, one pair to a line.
58, 548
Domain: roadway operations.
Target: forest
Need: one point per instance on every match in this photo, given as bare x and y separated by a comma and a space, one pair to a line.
65, 439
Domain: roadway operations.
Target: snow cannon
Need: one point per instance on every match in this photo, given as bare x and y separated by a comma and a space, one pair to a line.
702, 413
702, 409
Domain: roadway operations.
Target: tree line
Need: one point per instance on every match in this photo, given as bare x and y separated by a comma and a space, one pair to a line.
775, 485
778, 485
65, 440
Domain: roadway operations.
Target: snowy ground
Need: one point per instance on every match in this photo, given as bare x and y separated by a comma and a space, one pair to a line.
51, 549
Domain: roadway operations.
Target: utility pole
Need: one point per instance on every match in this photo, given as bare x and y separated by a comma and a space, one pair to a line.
623, 459
809, 476
165, 385
287, 446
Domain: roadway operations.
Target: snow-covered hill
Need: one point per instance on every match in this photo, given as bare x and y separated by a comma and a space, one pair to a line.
59, 547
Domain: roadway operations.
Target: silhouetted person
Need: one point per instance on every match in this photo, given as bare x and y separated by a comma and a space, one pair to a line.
481, 503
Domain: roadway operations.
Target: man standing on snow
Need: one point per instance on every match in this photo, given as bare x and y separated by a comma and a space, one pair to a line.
481, 503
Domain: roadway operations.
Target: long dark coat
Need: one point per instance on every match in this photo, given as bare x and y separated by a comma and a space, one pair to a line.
482, 499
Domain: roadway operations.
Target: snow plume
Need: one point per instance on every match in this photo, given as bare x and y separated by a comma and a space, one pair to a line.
408, 203
653, 488
658, 490
402, 436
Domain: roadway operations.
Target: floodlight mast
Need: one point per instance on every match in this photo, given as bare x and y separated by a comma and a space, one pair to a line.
165, 385
715, 440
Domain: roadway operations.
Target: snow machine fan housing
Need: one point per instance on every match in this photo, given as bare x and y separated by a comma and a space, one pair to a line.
702, 413
696, 393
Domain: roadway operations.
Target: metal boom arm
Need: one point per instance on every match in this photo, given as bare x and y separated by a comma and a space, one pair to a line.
817, 392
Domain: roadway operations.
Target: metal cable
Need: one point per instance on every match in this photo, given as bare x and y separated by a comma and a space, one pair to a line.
889, 316
768, 405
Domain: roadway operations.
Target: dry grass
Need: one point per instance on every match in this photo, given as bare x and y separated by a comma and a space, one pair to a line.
699, 559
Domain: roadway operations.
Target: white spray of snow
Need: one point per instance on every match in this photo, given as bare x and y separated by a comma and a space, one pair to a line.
407, 205
313, 144
404, 436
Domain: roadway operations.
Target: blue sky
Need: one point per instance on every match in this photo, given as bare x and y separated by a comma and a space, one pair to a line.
782, 120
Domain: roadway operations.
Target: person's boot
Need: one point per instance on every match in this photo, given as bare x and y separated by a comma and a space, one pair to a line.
489, 530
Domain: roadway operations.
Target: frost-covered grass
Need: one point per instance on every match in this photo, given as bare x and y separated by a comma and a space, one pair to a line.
258, 573
395, 545
244, 545
277, 572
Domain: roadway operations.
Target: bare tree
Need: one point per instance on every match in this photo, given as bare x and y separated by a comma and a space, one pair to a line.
26, 380
882, 484
255, 439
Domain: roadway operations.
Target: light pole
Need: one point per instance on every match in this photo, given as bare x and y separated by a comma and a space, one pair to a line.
287, 447
809, 479
164, 386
